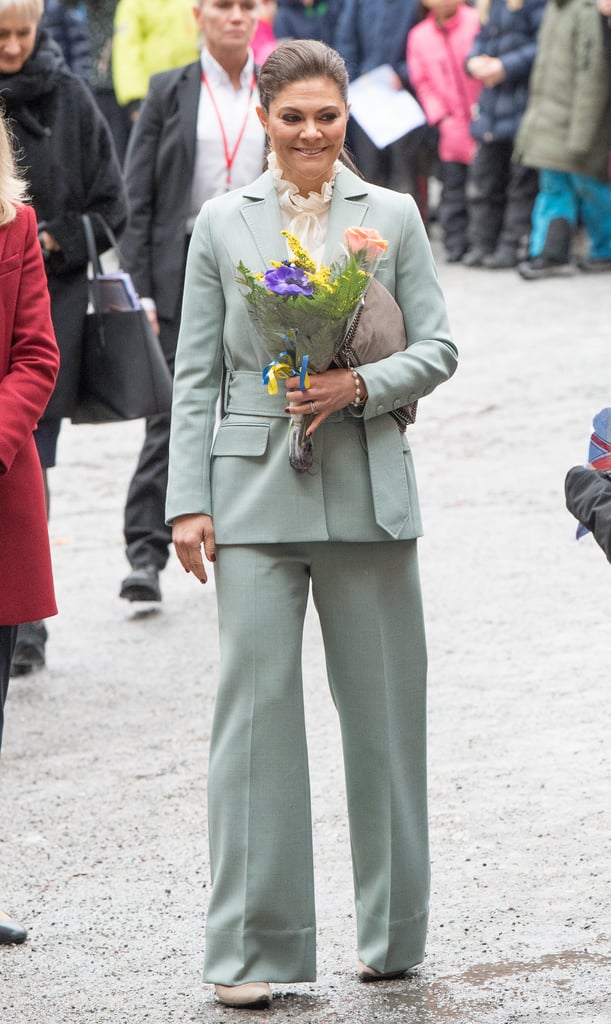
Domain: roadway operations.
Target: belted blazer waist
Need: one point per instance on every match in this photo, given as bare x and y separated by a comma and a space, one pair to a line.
245, 394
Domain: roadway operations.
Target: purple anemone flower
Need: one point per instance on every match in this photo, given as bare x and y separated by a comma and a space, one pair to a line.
288, 280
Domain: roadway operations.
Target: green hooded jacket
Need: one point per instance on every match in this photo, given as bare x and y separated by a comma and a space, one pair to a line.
567, 124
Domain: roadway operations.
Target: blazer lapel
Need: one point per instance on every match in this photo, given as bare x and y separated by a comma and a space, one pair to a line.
261, 213
349, 206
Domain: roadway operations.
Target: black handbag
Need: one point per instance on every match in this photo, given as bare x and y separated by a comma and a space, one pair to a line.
124, 374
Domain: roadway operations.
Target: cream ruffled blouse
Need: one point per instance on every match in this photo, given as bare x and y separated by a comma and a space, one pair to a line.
306, 217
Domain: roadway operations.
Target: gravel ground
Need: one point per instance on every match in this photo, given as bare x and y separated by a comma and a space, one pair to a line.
103, 847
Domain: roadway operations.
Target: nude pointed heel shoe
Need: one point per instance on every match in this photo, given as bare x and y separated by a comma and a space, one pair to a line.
254, 994
366, 973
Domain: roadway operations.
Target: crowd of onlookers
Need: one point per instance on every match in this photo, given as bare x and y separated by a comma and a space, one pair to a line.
515, 92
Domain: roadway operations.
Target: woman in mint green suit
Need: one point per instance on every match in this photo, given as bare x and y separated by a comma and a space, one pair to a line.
347, 528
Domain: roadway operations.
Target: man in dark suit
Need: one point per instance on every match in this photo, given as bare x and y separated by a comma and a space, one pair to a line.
197, 136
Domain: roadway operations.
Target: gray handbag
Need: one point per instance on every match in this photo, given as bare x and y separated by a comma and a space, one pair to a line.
377, 331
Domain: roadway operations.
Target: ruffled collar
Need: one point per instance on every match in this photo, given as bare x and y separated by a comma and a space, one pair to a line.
314, 203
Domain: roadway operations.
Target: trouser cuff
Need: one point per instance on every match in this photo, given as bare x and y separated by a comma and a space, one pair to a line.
236, 957
391, 947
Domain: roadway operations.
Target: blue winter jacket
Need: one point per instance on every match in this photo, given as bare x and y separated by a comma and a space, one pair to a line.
67, 23
294, 21
511, 36
374, 32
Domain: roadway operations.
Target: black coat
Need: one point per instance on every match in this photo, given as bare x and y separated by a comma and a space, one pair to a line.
159, 175
588, 498
67, 154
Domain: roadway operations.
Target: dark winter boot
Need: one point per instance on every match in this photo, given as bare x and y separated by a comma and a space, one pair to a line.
502, 258
30, 648
554, 260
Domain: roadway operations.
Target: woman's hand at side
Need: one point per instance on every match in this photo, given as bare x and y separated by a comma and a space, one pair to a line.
328, 392
190, 533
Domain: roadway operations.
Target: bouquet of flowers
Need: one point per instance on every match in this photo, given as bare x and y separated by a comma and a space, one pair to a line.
303, 310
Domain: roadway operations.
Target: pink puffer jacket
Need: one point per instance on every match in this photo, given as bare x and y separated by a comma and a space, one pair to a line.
436, 57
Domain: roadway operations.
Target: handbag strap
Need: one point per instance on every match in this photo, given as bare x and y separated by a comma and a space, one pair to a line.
92, 249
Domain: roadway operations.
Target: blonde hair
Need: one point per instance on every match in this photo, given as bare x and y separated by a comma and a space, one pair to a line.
13, 188
31, 9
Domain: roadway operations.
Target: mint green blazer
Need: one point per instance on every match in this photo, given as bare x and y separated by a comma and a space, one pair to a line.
361, 486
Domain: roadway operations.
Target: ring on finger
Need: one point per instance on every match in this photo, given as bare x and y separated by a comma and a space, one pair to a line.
314, 408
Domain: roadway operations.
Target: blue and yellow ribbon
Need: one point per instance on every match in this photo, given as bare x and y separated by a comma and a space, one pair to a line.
284, 366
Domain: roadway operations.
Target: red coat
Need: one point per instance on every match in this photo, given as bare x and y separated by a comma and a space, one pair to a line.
436, 57
29, 361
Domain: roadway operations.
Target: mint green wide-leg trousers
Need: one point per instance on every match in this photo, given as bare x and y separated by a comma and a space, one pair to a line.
261, 920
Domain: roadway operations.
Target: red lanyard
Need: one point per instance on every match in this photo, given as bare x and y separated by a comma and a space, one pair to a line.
230, 156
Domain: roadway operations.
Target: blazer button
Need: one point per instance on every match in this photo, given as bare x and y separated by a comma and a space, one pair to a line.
379, 410
314, 468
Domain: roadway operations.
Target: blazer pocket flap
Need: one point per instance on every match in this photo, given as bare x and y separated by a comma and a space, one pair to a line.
241, 439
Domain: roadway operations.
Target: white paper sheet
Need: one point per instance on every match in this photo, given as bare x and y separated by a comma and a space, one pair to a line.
385, 114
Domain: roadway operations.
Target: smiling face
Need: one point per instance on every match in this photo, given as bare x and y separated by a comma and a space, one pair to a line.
306, 123
17, 39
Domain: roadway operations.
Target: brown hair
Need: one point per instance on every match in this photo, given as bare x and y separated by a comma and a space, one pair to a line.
298, 59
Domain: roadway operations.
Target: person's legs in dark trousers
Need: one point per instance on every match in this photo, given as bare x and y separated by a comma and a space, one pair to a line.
46, 437
29, 653
367, 157
10, 930
8, 639
146, 535
406, 161
400, 166
521, 194
453, 209
487, 182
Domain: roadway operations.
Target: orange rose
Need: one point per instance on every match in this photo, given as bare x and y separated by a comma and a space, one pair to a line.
368, 239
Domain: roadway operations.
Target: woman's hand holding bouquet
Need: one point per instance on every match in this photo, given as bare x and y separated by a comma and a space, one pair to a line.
302, 311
